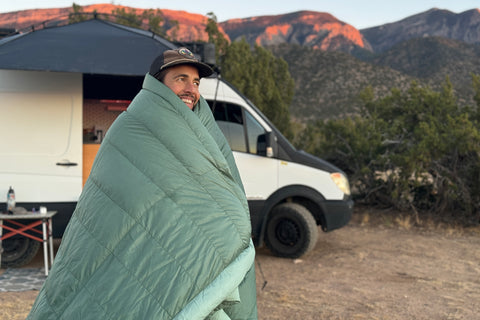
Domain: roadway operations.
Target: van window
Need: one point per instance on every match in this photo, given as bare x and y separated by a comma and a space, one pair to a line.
254, 129
242, 135
230, 120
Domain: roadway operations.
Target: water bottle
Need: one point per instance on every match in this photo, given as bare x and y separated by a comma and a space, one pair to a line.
10, 200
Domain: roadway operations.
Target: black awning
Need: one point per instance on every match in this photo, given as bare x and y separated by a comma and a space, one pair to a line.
91, 47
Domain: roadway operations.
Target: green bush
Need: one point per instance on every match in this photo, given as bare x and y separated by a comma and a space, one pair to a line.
411, 150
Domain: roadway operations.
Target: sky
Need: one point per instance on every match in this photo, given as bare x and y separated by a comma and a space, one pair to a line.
358, 13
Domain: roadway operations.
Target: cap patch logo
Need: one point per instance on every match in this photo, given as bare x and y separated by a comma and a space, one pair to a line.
187, 53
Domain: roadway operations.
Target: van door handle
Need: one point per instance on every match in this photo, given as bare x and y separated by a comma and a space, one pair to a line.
67, 164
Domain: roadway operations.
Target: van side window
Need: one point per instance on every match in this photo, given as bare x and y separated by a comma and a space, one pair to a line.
240, 128
229, 118
254, 130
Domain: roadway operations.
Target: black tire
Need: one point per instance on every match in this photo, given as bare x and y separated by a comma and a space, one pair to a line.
18, 251
291, 231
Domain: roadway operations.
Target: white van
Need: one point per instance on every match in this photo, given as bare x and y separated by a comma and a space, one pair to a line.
52, 129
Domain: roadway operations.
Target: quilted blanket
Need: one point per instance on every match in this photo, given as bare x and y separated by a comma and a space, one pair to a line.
162, 228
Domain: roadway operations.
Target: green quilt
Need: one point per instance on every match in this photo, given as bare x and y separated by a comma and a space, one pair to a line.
162, 228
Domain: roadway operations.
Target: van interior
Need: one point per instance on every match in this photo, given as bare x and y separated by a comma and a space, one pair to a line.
104, 98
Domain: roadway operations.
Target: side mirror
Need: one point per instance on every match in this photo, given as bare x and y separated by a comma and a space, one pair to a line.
266, 145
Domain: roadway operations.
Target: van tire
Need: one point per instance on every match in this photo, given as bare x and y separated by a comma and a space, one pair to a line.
291, 231
18, 251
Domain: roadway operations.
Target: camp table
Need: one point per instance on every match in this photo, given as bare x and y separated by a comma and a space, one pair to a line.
28, 230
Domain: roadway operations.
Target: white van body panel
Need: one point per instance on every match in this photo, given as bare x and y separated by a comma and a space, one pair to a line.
41, 126
290, 173
259, 175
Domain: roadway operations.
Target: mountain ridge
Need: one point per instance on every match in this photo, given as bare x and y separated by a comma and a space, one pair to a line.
319, 30
464, 26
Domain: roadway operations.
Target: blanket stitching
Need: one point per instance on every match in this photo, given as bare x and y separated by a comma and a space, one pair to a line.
112, 253
225, 170
213, 125
169, 195
220, 206
84, 287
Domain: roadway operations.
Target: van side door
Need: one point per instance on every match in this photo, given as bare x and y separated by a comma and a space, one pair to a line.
41, 153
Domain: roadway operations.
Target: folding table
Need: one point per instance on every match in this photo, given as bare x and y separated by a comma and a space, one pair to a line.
28, 230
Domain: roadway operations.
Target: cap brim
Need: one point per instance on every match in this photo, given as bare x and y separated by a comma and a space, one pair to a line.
204, 70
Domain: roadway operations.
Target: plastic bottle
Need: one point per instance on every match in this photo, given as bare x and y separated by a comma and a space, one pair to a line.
10, 200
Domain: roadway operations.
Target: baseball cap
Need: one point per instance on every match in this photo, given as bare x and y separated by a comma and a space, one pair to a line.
170, 58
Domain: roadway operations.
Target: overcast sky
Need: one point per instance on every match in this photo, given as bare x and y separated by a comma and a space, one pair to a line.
359, 13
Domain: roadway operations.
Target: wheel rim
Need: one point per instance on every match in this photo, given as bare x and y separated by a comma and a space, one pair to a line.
287, 232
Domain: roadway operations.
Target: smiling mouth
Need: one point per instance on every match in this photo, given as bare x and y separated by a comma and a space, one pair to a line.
188, 100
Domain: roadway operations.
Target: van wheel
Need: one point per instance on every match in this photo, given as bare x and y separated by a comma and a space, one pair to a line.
19, 251
291, 231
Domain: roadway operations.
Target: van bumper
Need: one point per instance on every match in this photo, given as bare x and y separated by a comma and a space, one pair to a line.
336, 214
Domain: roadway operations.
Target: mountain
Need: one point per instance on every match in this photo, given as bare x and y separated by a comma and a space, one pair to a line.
191, 27
433, 59
318, 30
464, 26
327, 83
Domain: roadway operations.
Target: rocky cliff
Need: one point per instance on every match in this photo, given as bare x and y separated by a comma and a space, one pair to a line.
318, 30
191, 27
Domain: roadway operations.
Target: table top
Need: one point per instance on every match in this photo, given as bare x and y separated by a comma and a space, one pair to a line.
27, 215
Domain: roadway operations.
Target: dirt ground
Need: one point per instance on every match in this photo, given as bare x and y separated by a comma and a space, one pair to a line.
378, 267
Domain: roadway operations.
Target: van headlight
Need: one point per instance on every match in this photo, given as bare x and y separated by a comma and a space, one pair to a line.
341, 181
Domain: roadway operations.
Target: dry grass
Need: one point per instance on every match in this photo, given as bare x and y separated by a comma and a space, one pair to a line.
390, 218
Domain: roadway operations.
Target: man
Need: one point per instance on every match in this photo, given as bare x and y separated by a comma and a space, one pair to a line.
162, 229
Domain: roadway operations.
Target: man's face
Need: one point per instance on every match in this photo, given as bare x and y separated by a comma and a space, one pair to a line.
184, 81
